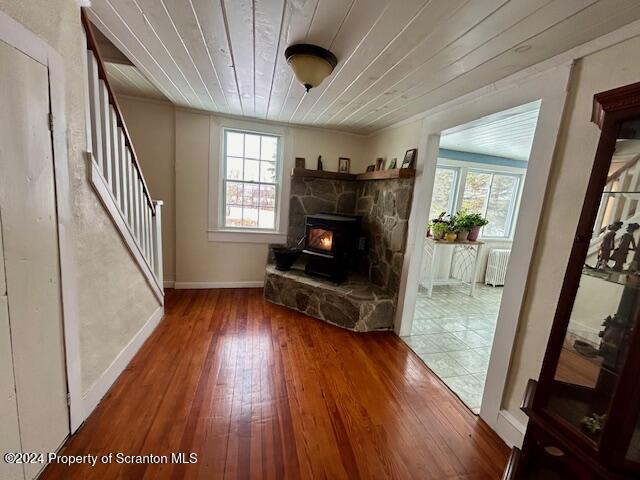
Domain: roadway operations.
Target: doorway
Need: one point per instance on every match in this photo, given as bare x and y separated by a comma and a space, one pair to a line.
33, 408
480, 175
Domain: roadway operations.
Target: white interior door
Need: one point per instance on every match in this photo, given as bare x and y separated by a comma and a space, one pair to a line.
31, 329
10, 433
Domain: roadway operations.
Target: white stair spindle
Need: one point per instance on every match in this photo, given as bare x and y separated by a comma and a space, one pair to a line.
94, 108
130, 207
151, 242
105, 125
122, 169
115, 155
134, 200
157, 239
145, 233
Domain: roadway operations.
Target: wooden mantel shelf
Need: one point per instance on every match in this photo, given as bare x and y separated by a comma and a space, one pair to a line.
377, 175
304, 172
388, 174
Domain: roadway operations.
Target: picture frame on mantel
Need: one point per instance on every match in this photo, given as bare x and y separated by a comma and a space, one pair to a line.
344, 164
409, 159
300, 162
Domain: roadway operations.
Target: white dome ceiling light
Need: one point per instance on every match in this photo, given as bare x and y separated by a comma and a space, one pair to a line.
310, 64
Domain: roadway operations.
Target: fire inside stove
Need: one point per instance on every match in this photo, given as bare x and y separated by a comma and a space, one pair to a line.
320, 239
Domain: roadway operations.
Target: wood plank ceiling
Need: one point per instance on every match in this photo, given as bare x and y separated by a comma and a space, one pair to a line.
504, 134
395, 58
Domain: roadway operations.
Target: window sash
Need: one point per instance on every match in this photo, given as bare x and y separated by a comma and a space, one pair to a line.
460, 185
258, 183
512, 203
453, 191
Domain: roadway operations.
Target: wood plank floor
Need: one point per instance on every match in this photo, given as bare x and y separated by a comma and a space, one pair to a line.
258, 391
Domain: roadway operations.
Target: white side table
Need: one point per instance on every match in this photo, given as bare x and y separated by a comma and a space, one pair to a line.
464, 262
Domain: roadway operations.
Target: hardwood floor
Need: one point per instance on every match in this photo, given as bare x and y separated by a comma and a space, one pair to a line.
259, 391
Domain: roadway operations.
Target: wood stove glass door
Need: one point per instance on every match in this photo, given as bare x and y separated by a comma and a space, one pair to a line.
320, 239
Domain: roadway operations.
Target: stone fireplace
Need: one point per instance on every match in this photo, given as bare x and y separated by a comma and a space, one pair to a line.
328, 208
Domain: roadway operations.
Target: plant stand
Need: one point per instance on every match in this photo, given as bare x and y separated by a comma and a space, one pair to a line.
464, 263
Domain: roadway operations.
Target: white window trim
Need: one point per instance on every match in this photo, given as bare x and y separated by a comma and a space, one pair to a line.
216, 231
453, 195
464, 167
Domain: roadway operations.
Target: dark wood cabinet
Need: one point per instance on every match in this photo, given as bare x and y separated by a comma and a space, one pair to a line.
584, 409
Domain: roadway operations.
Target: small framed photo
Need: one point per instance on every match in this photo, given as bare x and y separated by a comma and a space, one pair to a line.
379, 163
371, 168
409, 158
392, 164
344, 164
300, 162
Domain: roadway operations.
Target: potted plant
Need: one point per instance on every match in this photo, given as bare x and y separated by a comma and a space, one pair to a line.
463, 223
474, 221
451, 234
439, 226
592, 424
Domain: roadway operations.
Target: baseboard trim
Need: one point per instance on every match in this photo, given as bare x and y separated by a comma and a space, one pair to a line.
510, 429
98, 390
249, 284
168, 283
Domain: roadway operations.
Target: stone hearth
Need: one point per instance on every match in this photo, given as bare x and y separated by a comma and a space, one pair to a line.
356, 304
367, 301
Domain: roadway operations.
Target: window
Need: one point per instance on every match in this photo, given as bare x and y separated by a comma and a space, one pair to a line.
444, 191
493, 195
250, 180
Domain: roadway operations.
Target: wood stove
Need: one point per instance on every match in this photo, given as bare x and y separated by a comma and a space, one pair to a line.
331, 240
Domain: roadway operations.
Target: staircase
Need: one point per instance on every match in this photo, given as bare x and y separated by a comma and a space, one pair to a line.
116, 174
624, 207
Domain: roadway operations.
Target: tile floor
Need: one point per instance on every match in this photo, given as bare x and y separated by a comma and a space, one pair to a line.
452, 332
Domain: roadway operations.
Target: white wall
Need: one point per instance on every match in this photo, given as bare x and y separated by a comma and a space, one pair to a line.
392, 142
114, 298
309, 143
197, 259
609, 68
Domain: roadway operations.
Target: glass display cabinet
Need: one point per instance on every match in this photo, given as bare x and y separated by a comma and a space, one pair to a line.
584, 410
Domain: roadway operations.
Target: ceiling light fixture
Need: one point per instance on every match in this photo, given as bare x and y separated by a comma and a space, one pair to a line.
310, 64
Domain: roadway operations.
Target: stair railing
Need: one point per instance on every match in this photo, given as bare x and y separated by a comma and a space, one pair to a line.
116, 173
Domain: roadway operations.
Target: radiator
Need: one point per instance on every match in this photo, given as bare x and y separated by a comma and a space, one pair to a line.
497, 267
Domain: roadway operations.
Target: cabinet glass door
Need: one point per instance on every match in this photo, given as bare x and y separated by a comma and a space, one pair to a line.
607, 303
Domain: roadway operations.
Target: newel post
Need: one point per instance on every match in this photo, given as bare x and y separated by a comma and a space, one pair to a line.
157, 242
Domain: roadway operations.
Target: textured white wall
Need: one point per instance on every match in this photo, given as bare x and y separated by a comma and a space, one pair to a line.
114, 298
